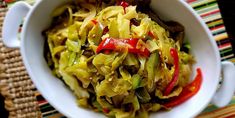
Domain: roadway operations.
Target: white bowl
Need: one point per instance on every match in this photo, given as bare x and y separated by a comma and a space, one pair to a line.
54, 90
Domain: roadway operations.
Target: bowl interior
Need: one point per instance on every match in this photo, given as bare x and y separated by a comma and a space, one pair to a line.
203, 48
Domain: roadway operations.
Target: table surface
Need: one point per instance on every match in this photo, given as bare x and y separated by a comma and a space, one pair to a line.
228, 13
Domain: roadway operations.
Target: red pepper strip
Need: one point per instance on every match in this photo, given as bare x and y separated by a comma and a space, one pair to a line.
120, 44
105, 30
105, 110
171, 85
133, 42
9, 1
107, 52
124, 4
94, 21
151, 35
188, 91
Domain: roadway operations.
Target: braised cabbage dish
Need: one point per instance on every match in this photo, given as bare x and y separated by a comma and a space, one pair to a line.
120, 59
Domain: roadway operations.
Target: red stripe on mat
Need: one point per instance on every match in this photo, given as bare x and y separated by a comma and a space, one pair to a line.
217, 27
225, 45
210, 13
190, 1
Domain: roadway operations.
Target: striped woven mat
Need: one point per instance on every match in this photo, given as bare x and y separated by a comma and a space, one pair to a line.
207, 9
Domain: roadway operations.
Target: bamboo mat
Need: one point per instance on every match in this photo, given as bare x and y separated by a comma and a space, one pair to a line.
24, 101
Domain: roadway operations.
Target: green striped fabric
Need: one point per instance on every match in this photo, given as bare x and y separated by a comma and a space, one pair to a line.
210, 13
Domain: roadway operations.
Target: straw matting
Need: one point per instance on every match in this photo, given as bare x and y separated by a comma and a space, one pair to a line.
15, 84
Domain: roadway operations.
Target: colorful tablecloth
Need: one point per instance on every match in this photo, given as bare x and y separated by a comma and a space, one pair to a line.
210, 12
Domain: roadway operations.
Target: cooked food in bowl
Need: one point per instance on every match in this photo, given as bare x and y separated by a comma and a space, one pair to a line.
119, 60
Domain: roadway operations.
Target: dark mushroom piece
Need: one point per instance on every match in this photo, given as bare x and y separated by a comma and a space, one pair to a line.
179, 36
176, 29
110, 2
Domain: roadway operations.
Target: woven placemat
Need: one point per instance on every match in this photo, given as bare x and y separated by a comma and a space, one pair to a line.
15, 84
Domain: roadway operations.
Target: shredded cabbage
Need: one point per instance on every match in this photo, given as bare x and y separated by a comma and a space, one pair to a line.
118, 83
